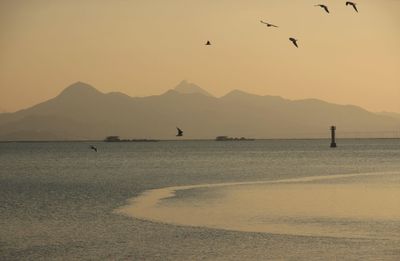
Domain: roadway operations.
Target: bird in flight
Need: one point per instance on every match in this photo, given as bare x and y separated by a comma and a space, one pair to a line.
294, 41
93, 148
324, 7
268, 24
180, 132
208, 43
352, 4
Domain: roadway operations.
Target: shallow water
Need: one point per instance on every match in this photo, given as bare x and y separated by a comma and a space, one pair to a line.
352, 205
59, 201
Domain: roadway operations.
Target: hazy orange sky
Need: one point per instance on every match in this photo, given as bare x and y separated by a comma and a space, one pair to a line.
144, 47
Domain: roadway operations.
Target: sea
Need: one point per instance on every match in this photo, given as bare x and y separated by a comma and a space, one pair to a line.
200, 200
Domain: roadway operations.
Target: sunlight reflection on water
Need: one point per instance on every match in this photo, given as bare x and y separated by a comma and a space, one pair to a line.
354, 205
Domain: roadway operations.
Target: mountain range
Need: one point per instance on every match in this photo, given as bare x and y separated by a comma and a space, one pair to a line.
81, 112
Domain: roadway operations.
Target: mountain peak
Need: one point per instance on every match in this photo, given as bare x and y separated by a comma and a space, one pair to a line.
238, 93
79, 88
189, 88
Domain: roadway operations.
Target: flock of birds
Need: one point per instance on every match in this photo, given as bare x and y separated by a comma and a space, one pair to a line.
294, 40
354, 5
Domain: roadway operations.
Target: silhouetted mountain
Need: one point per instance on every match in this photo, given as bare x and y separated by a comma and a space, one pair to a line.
390, 114
82, 112
190, 88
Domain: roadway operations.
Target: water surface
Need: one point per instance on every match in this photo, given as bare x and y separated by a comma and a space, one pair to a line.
351, 205
58, 201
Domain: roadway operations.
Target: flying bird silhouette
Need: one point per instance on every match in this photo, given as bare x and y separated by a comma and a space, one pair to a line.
268, 24
324, 7
208, 43
294, 41
180, 132
352, 4
93, 148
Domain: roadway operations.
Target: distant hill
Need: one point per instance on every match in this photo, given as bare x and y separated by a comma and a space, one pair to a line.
190, 88
82, 112
390, 114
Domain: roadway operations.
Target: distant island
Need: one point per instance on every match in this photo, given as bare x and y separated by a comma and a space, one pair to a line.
226, 138
117, 139
81, 112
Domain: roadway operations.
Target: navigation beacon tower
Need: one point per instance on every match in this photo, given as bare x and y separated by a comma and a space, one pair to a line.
333, 138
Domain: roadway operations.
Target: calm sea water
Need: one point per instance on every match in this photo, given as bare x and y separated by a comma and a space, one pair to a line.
62, 201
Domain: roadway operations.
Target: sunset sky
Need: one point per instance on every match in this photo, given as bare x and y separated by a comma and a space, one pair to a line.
144, 47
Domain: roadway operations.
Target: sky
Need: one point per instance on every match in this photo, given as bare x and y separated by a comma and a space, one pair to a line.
145, 47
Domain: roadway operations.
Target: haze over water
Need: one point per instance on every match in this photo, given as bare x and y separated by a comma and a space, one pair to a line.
271, 199
85, 70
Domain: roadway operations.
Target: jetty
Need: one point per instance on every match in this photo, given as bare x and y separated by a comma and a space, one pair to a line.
226, 138
117, 139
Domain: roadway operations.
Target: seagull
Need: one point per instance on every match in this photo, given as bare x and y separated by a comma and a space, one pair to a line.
294, 41
208, 43
180, 132
324, 7
93, 148
352, 4
268, 24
